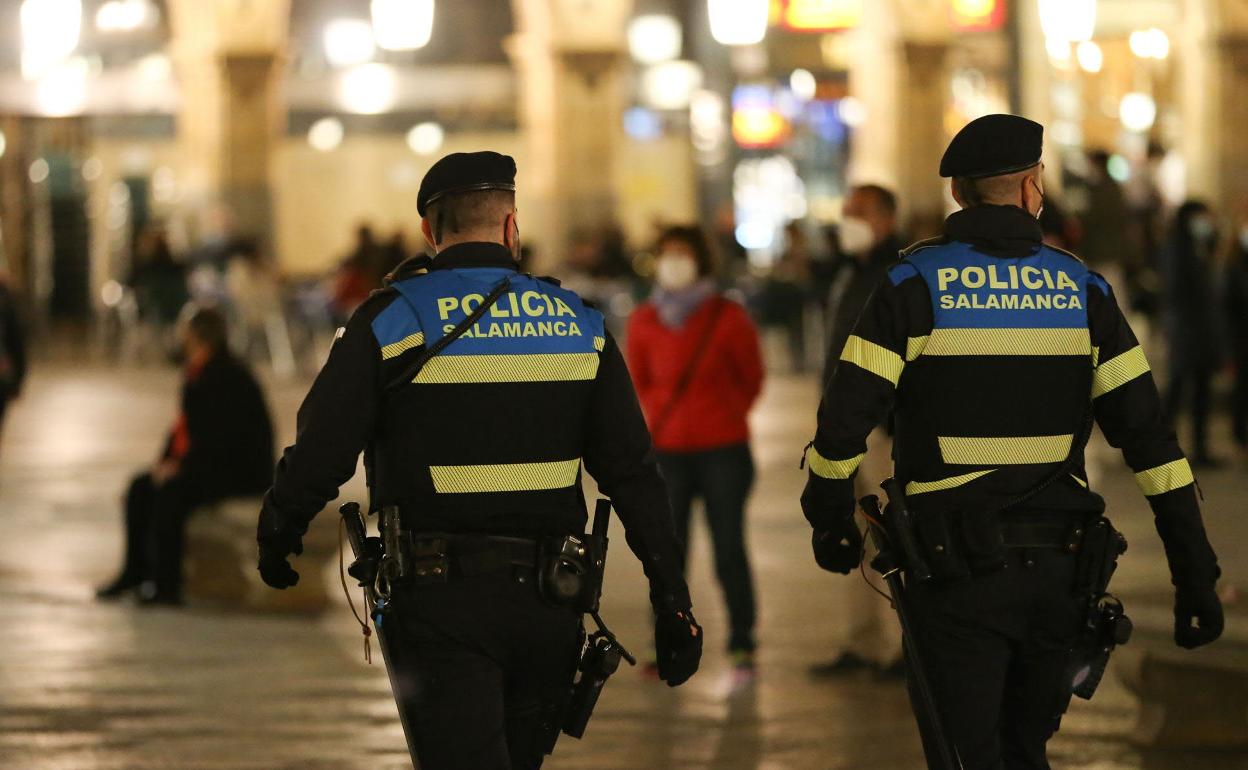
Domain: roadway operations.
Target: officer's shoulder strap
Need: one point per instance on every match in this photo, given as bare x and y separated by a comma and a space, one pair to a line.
1064, 252
550, 279
409, 268
926, 243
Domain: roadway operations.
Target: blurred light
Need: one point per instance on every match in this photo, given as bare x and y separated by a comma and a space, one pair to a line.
402, 25
852, 111
1150, 43
978, 15
92, 168
1067, 132
124, 15
835, 52
50, 32
755, 234
4, 143
803, 84
1090, 57
1137, 111
326, 134
348, 42
111, 294
367, 89
670, 85
62, 90
756, 121
642, 124
1058, 50
654, 38
425, 138
39, 171
155, 68
707, 127
1070, 20
821, 15
1119, 169
738, 22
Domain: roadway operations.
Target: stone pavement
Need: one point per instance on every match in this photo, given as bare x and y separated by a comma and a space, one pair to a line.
85, 686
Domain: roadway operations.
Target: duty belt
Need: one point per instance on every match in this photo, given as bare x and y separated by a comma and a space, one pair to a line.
1044, 530
469, 555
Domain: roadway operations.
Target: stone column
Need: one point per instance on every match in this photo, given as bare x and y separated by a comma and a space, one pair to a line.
228, 56
899, 73
570, 57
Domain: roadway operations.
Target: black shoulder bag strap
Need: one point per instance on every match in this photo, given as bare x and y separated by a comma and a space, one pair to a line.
686, 376
429, 352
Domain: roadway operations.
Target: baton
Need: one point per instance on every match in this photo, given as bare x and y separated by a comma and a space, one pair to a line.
890, 568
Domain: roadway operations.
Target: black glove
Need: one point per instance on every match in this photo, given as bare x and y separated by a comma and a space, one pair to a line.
276, 544
838, 549
1201, 606
678, 642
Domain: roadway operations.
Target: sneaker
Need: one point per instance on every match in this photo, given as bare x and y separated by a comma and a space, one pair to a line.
845, 663
116, 589
744, 669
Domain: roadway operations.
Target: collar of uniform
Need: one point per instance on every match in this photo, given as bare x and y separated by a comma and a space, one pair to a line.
474, 255
1002, 226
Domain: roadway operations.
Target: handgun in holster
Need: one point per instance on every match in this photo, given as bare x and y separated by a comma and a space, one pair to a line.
1105, 622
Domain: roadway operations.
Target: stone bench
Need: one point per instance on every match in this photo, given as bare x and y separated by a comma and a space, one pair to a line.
220, 566
1188, 700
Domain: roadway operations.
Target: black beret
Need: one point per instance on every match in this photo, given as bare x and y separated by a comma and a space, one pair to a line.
465, 172
993, 145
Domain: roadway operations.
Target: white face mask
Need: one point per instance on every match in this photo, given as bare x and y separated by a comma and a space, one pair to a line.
1243, 237
1203, 228
855, 235
675, 271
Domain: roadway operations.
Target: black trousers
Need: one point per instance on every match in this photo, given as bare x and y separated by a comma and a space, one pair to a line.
477, 664
996, 652
155, 521
722, 478
1239, 397
1199, 381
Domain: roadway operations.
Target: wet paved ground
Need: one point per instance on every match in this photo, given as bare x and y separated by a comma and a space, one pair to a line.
85, 686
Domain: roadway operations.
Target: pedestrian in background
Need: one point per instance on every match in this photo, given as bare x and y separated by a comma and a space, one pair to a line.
1191, 320
12, 348
695, 360
868, 237
221, 446
1236, 282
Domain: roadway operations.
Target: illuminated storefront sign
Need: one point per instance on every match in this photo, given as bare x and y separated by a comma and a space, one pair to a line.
816, 15
977, 15
757, 121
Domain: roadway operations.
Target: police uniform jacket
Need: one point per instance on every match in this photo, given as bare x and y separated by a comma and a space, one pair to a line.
996, 350
492, 435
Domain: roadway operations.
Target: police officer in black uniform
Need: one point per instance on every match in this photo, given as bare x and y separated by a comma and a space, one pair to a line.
482, 453
997, 351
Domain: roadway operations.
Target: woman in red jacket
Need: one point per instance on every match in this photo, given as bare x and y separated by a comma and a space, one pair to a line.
695, 361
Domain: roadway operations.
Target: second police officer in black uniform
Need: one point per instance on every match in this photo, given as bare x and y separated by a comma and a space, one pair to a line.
484, 447
996, 351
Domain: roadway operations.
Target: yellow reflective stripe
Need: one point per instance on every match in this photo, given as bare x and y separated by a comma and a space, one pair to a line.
521, 367
921, 487
1096, 356
1118, 371
510, 477
914, 347
1079, 481
1165, 478
831, 469
876, 359
1004, 450
600, 343
402, 346
1008, 342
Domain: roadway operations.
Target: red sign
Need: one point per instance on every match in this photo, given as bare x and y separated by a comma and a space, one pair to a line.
816, 15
